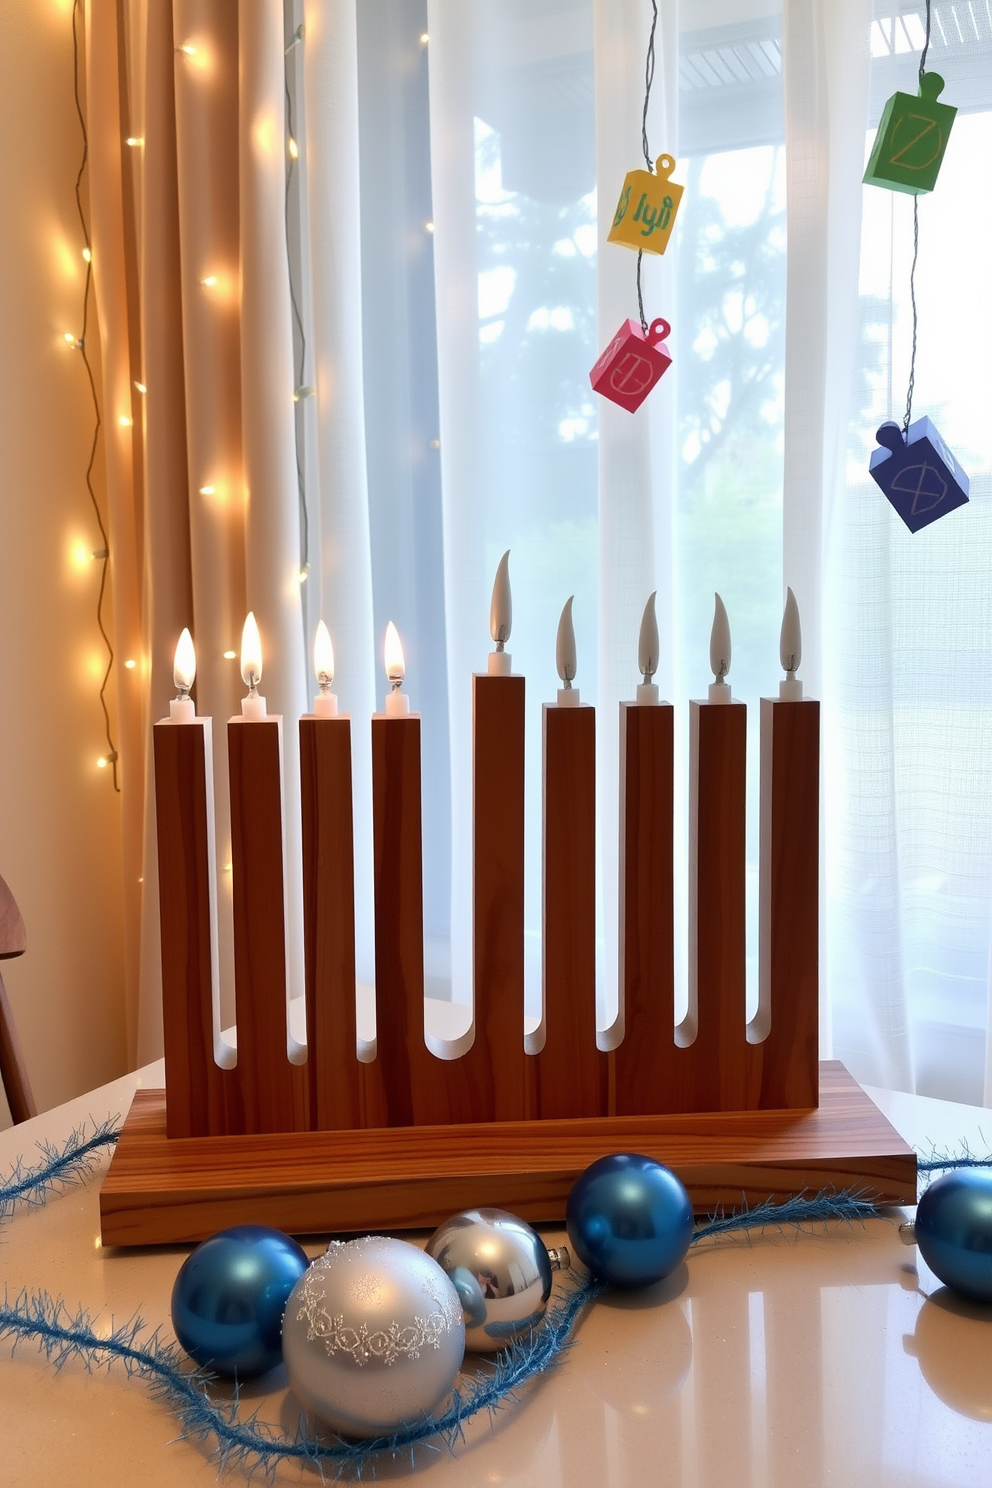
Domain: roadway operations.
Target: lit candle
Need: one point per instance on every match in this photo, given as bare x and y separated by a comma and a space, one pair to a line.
252, 706
325, 704
397, 702
500, 619
648, 647
181, 708
720, 653
568, 696
790, 650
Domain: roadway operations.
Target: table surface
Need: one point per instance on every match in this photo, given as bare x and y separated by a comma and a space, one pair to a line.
832, 1357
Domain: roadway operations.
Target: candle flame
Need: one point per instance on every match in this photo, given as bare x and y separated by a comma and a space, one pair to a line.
565, 658
323, 655
393, 655
251, 652
184, 665
720, 640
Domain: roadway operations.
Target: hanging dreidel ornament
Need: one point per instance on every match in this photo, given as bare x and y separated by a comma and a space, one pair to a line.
911, 140
917, 473
645, 213
632, 363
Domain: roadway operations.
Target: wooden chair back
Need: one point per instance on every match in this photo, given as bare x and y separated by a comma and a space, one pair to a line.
13, 1071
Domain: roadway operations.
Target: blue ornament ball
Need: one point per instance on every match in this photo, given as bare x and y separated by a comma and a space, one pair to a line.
629, 1219
954, 1231
230, 1295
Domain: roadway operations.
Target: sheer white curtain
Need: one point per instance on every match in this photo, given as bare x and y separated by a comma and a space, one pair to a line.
909, 773
455, 420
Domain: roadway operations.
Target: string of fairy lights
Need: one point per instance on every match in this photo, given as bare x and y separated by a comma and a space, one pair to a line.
101, 554
302, 391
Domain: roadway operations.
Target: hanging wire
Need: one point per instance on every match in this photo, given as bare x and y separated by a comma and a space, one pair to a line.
102, 554
300, 391
648, 80
916, 253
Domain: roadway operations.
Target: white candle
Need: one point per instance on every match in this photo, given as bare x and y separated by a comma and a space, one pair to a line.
501, 619
252, 706
565, 660
325, 704
790, 650
648, 647
397, 702
181, 708
720, 653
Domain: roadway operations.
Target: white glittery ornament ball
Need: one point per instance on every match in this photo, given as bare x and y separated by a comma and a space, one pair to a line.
372, 1336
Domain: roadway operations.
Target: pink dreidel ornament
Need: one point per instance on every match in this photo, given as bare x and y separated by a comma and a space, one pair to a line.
632, 363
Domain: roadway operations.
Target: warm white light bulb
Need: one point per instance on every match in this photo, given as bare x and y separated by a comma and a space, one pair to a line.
720, 650
648, 643
393, 655
209, 281
184, 665
501, 606
87, 256
565, 657
294, 149
251, 652
719, 690
790, 646
323, 655
790, 650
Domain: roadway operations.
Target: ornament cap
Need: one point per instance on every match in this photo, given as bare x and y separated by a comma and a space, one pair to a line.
931, 85
890, 436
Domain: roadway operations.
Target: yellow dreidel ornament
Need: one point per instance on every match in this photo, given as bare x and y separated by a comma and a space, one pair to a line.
911, 140
646, 210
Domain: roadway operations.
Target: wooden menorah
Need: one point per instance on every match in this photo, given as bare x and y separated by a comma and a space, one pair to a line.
320, 1140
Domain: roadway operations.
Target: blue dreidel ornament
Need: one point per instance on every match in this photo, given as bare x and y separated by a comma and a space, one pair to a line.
917, 473
629, 1219
230, 1295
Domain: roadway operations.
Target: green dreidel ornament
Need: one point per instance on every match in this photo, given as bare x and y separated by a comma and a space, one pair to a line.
911, 140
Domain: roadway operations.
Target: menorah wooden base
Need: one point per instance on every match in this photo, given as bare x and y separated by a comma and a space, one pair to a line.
161, 1190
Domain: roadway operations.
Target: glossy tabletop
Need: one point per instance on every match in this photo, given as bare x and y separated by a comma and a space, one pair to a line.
794, 1359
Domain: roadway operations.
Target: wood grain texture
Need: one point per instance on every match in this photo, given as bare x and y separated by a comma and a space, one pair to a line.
329, 922
646, 1062
161, 1191
716, 1059
275, 1094
496, 1063
400, 1086
782, 1068
202, 1097
571, 1071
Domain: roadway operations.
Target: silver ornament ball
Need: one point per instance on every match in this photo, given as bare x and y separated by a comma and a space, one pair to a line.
372, 1336
501, 1270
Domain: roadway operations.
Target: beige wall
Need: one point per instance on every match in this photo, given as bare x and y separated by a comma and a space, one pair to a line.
59, 816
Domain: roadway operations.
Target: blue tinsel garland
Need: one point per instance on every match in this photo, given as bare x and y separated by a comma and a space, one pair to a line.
251, 1443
